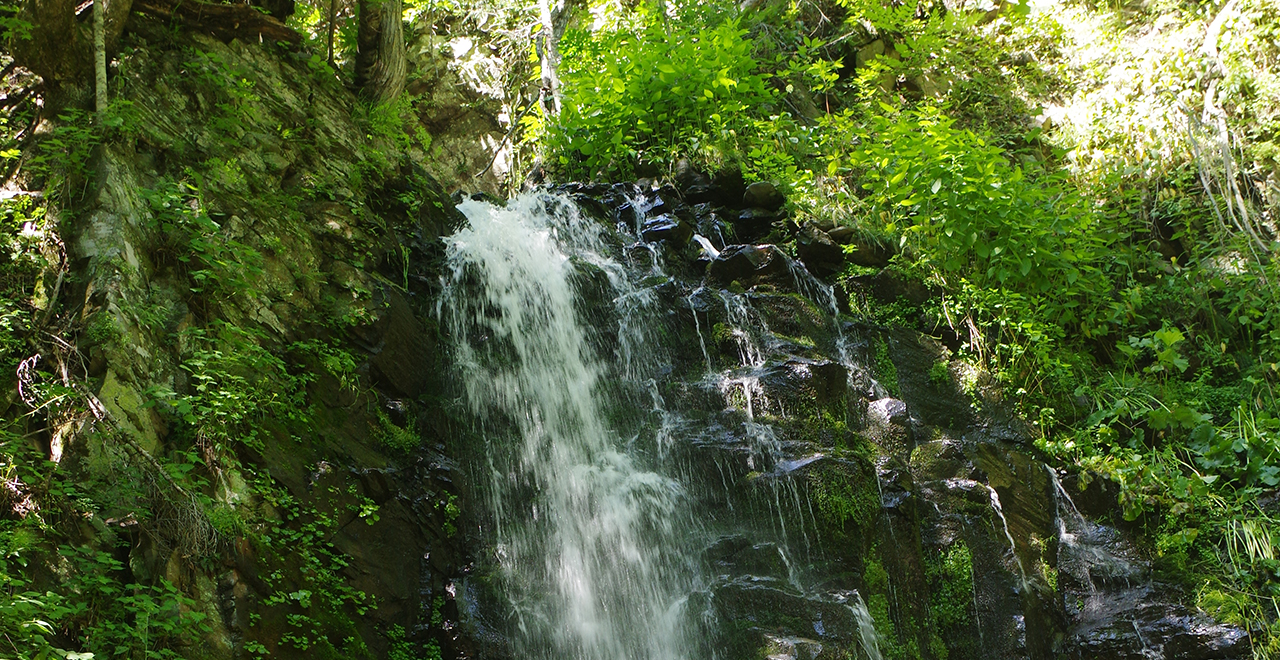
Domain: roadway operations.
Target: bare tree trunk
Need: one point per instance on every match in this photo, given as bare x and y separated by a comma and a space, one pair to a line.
549, 60
333, 21
381, 66
555, 19
99, 57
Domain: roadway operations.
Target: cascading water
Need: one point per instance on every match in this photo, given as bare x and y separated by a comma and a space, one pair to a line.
590, 543
603, 501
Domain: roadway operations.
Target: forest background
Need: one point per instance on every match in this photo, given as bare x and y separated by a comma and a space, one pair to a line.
1088, 189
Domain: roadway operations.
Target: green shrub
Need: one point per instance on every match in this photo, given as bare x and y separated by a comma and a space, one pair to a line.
655, 94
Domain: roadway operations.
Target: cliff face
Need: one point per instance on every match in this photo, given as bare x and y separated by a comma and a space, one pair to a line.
237, 385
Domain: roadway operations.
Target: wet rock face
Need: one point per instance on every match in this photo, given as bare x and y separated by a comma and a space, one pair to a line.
1129, 628
667, 228
835, 458
748, 265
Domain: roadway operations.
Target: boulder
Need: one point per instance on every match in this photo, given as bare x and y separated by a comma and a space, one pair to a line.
754, 223
748, 264
888, 411
841, 235
818, 252
887, 287
764, 195
665, 200
701, 193
730, 185
866, 252
687, 176
666, 227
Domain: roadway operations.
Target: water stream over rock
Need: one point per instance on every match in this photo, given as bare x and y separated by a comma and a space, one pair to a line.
685, 451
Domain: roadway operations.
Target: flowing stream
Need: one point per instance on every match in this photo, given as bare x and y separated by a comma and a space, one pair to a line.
591, 541
596, 537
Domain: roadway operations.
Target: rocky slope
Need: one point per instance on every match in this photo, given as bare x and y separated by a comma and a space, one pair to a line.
845, 473
237, 387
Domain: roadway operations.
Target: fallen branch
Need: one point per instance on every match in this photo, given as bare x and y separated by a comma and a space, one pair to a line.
227, 22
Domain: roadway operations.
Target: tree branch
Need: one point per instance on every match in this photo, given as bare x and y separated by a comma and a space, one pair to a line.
222, 21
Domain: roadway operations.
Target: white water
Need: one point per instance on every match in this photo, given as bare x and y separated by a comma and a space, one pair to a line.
866, 628
589, 542
1013, 547
592, 537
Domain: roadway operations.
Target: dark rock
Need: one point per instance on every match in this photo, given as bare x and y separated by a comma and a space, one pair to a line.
888, 411
798, 384
666, 228
593, 207
730, 185
769, 605
764, 195
889, 426
701, 193
888, 287
664, 200
818, 252
942, 459
686, 176
824, 224
933, 401
754, 223
402, 362
841, 235
1130, 628
870, 254
748, 264
588, 189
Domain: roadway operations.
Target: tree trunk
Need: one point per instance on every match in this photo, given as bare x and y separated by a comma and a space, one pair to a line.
381, 68
555, 16
62, 52
333, 21
99, 58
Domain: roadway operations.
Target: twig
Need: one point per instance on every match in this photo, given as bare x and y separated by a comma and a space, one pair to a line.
514, 125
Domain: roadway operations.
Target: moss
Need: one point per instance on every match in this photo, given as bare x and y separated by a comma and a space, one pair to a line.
844, 497
939, 373
950, 576
886, 372
897, 637
395, 438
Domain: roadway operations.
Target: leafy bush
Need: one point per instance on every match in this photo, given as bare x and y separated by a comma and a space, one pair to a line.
654, 95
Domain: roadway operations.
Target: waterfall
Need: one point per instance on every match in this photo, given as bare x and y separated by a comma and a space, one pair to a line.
638, 503
866, 628
590, 538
